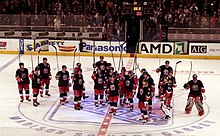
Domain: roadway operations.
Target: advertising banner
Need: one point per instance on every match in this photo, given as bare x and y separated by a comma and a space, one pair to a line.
208, 49
165, 48
9, 44
181, 48
63, 45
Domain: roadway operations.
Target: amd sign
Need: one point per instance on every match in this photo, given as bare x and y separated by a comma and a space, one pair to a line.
157, 48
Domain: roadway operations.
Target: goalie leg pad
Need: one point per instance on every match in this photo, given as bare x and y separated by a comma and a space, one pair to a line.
199, 105
166, 110
189, 105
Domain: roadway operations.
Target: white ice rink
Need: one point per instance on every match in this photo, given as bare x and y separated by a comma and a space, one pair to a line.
51, 119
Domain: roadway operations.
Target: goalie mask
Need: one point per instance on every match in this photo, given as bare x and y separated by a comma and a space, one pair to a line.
194, 78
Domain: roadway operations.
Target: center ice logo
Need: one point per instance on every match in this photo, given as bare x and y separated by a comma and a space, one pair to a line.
88, 120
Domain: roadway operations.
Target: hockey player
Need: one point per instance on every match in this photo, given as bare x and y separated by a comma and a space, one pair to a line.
45, 73
129, 84
63, 84
144, 96
140, 80
147, 78
36, 85
195, 95
113, 94
99, 83
102, 65
122, 89
78, 84
167, 94
164, 70
108, 79
23, 82
76, 69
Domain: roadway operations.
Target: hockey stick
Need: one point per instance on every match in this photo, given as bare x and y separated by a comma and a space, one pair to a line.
93, 54
32, 64
56, 56
176, 67
74, 56
38, 57
190, 72
19, 55
135, 65
113, 59
121, 58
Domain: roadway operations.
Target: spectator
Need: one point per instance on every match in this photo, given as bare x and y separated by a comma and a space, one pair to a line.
57, 23
58, 8
213, 20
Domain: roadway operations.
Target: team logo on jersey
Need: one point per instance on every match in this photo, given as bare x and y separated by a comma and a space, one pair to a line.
195, 87
65, 77
45, 70
23, 75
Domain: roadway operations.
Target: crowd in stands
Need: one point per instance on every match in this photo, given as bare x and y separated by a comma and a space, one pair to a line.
174, 13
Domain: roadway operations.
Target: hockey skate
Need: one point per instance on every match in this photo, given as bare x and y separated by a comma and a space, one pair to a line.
84, 97
167, 117
47, 94
21, 100
96, 105
35, 104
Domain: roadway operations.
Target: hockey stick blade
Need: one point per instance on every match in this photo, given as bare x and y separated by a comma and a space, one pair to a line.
29, 48
54, 47
39, 51
178, 62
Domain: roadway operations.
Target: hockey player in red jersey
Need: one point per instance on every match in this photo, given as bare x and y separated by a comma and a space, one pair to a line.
23, 82
122, 90
130, 86
112, 89
76, 69
63, 84
167, 93
99, 83
36, 85
45, 73
195, 95
78, 86
164, 70
144, 96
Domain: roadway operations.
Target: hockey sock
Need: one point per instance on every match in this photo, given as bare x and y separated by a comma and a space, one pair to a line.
75, 102
115, 106
41, 91
64, 96
34, 98
21, 95
61, 97
47, 89
79, 101
101, 98
47, 86
96, 97
27, 94
150, 102
125, 99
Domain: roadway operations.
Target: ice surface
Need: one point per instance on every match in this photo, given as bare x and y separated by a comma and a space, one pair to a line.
52, 119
